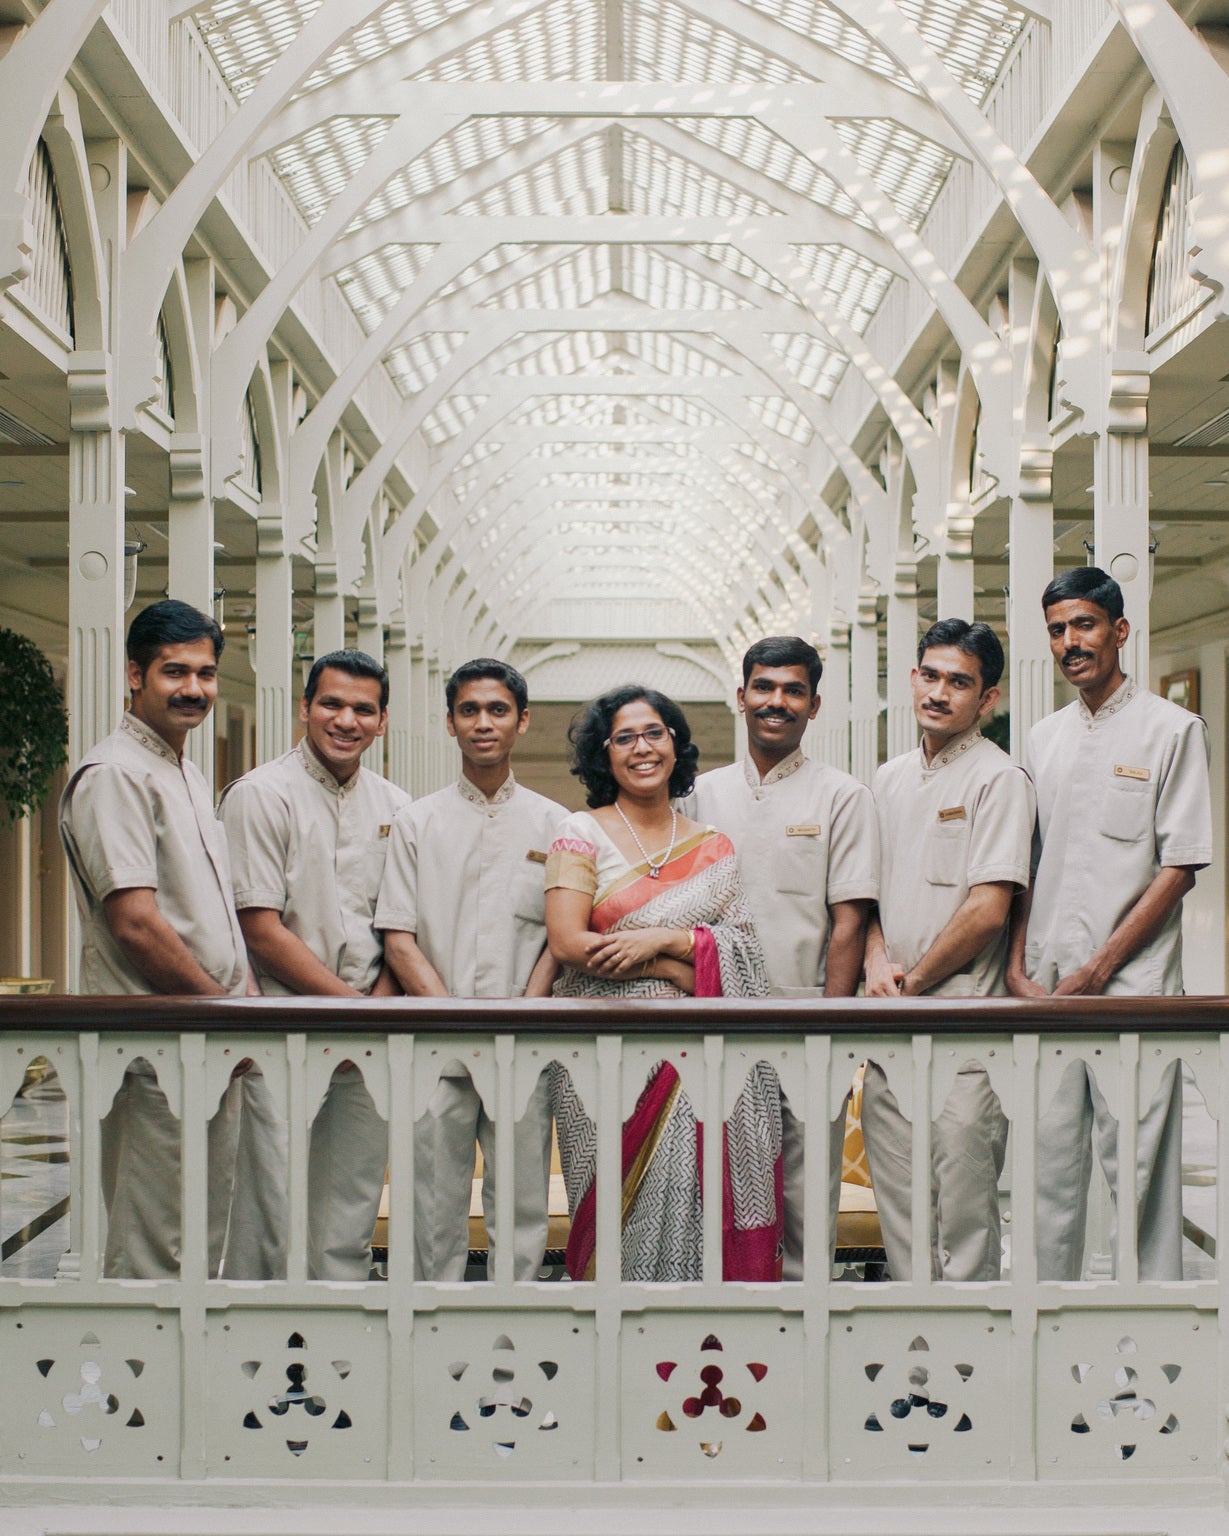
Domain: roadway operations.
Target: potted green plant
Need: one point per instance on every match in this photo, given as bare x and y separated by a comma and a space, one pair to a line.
33, 744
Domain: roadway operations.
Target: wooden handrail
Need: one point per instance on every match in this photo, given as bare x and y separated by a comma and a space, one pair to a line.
697, 1016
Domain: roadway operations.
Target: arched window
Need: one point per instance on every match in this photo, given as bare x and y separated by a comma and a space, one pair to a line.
1053, 386
50, 283
1171, 288
166, 378
250, 473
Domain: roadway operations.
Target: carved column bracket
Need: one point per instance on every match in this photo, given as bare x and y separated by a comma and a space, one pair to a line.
189, 476
89, 392
1127, 408
270, 533
1036, 474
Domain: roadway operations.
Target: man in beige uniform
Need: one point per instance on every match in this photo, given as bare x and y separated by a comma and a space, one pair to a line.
153, 890
955, 827
808, 852
1124, 822
462, 909
308, 834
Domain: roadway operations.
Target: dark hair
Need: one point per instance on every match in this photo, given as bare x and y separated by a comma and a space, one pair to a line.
498, 671
784, 651
1085, 583
170, 622
977, 640
590, 759
356, 663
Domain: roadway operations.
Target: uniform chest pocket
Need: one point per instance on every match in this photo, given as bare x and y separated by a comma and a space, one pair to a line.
529, 894
1125, 814
800, 866
367, 864
945, 853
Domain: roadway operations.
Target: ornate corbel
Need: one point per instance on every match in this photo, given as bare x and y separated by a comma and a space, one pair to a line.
1127, 407
188, 479
270, 533
89, 392
1036, 473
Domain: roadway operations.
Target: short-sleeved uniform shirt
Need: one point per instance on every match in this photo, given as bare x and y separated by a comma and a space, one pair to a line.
806, 837
136, 817
312, 849
1121, 795
466, 876
963, 819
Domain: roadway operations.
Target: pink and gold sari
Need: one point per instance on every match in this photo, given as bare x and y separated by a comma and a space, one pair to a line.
698, 888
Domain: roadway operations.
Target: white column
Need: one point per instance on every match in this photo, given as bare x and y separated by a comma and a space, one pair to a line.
1030, 570
397, 660
1120, 501
95, 693
834, 688
328, 611
371, 640
902, 640
864, 689
190, 519
95, 682
275, 685
442, 766
190, 575
419, 784
955, 565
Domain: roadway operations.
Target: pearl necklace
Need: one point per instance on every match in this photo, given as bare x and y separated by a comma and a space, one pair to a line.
654, 869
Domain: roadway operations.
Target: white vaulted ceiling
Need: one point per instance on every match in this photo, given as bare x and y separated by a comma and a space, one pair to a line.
636, 241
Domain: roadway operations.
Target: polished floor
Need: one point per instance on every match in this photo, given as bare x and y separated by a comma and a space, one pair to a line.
34, 1226
34, 1214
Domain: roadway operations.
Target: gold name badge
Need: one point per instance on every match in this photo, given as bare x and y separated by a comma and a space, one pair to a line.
1121, 771
807, 829
385, 828
952, 813
536, 856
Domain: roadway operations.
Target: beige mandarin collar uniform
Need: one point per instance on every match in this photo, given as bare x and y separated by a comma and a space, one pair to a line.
806, 837
466, 876
289, 824
963, 819
1121, 795
136, 817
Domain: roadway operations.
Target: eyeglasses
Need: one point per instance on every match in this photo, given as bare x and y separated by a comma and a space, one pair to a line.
624, 741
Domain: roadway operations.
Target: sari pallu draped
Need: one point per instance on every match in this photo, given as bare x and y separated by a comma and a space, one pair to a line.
698, 889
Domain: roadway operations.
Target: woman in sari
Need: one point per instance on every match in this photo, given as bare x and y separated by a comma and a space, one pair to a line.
641, 902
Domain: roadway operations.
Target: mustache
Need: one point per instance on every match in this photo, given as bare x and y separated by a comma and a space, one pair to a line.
769, 714
200, 705
1077, 655
938, 706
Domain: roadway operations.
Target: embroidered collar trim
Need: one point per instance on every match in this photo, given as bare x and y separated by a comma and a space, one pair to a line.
474, 795
150, 740
954, 749
315, 769
783, 770
1121, 696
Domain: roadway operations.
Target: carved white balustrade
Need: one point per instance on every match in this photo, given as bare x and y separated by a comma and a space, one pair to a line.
1108, 1394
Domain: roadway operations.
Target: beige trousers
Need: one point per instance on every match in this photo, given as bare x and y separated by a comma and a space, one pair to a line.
443, 1170
968, 1145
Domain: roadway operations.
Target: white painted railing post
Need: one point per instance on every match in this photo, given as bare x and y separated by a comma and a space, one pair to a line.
401, 1071
607, 1318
